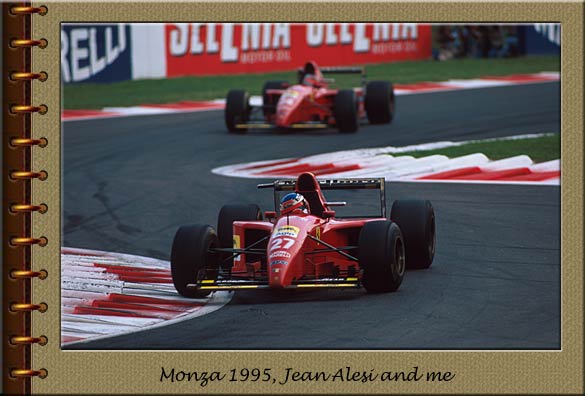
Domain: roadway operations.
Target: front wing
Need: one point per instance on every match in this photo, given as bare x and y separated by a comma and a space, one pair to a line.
237, 284
262, 125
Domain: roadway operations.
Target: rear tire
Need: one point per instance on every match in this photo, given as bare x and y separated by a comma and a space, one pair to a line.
271, 100
345, 111
416, 219
191, 259
237, 110
379, 102
382, 256
227, 215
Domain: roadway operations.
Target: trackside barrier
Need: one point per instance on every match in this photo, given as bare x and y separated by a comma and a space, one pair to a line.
116, 52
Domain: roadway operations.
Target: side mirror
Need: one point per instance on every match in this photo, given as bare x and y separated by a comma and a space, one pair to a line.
328, 214
270, 215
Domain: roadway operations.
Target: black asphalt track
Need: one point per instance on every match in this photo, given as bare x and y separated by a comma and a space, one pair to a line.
495, 283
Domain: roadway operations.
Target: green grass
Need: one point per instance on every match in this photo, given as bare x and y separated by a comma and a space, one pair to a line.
540, 149
129, 93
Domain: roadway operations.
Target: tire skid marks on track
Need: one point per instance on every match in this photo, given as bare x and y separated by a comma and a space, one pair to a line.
382, 162
399, 89
107, 294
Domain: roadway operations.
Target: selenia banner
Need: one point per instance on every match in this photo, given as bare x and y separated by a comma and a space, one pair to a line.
213, 48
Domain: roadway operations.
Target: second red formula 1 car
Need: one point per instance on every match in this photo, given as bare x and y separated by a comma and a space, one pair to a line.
305, 245
312, 103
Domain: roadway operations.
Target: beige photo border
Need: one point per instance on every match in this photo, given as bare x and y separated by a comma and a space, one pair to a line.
476, 372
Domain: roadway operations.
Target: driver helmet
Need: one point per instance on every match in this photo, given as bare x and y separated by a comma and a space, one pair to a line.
293, 203
310, 79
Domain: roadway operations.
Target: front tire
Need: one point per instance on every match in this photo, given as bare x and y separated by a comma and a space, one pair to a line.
191, 259
379, 102
416, 219
345, 111
237, 110
382, 256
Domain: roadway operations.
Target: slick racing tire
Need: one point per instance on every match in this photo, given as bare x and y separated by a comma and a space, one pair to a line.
227, 215
416, 219
379, 102
345, 111
237, 110
191, 259
382, 256
269, 101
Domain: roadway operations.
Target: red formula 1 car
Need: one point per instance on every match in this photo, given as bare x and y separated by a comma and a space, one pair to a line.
302, 250
311, 103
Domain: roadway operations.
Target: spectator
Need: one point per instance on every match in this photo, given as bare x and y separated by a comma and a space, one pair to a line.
459, 43
482, 35
510, 48
445, 39
496, 41
480, 41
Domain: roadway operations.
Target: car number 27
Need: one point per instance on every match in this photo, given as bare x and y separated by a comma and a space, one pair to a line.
284, 243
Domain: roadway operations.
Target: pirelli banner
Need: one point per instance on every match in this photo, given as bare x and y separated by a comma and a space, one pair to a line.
117, 52
213, 48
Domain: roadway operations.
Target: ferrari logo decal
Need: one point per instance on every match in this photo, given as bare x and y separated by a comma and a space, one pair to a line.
318, 233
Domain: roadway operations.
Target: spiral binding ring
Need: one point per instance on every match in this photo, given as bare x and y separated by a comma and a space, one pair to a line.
26, 340
19, 76
26, 241
26, 307
26, 175
25, 142
41, 373
23, 10
27, 43
41, 109
26, 274
25, 208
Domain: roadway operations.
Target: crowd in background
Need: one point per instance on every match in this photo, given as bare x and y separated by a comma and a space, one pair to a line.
480, 41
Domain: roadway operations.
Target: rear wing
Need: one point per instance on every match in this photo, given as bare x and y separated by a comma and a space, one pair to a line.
333, 184
311, 68
329, 184
343, 70
346, 70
